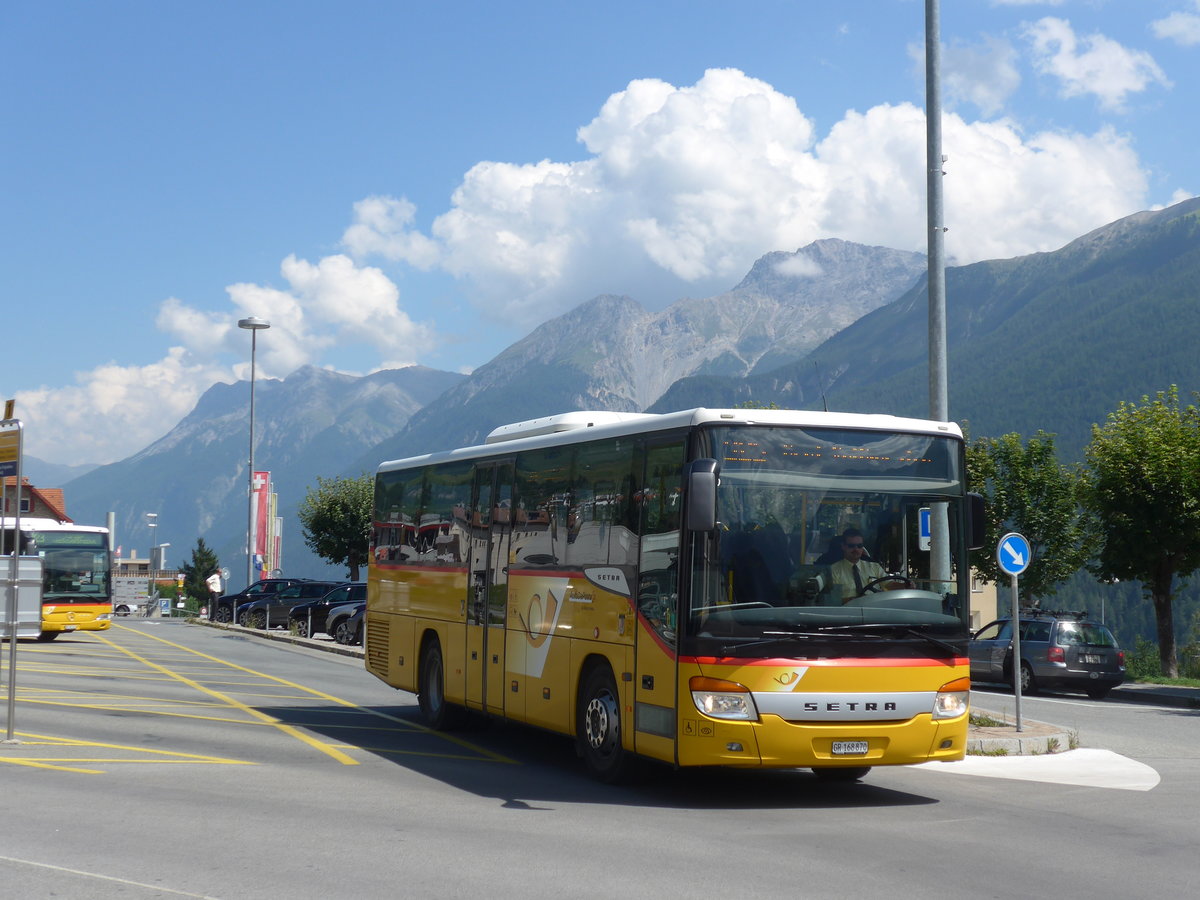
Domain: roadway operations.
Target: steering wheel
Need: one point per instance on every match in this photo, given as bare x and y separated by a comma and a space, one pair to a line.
894, 576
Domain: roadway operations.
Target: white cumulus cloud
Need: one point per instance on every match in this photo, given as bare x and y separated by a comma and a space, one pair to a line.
324, 304
677, 191
983, 74
684, 187
1093, 64
1181, 27
799, 267
113, 411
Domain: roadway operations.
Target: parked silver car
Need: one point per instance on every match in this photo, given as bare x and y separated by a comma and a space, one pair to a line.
1063, 650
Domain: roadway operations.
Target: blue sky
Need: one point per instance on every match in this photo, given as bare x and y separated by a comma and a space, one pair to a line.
398, 183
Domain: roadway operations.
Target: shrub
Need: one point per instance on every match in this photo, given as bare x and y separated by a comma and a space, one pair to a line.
1143, 663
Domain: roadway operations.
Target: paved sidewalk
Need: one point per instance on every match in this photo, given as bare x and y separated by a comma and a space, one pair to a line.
1158, 694
1036, 738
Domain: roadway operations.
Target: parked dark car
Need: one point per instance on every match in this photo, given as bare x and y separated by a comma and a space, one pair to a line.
273, 609
345, 623
223, 608
1063, 650
309, 618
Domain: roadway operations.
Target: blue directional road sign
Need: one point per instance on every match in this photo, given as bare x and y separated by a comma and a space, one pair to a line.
1013, 553
924, 531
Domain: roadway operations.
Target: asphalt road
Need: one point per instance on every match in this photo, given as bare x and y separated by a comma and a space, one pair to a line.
165, 760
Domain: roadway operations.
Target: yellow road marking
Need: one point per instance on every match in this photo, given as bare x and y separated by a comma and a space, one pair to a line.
61, 697
237, 704
466, 745
36, 764
38, 739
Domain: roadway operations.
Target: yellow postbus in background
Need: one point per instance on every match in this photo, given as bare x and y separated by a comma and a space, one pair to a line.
664, 586
76, 573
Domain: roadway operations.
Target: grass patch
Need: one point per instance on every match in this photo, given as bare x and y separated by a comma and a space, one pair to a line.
982, 720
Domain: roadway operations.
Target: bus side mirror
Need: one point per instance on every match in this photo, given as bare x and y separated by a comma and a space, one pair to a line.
976, 521
702, 495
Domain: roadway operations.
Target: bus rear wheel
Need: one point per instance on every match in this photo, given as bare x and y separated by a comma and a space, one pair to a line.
598, 727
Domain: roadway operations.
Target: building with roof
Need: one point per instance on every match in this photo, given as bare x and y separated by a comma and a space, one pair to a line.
41, 503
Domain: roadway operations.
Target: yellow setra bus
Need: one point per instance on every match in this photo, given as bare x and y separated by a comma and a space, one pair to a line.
667, 586
76, 573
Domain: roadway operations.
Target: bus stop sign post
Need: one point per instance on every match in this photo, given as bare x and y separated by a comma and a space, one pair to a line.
10, 464
1013, 554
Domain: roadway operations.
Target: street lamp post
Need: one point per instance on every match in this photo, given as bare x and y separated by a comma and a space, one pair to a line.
254, 325
155, 562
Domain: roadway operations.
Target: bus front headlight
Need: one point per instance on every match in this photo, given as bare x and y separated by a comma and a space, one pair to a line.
723, 699
952, 699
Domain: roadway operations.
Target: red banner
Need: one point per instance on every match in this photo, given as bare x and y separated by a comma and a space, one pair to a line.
262, 520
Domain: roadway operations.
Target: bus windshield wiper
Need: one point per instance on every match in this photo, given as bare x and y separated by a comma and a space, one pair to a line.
778, 637
903, 629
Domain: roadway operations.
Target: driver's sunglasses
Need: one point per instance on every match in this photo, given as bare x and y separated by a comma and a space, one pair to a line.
854, 546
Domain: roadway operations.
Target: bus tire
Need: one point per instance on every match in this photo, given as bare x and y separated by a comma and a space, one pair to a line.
48, 635
841, 773
431, 694
598, 726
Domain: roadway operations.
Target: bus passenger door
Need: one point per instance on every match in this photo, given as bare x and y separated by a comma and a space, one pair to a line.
487, 587
660, 502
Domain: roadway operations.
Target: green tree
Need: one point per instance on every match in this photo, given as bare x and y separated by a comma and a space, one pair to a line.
204, 563
1143, 483
1029, 491
336, 520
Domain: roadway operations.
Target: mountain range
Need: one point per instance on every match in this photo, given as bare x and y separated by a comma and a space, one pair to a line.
1050, 340
312, 423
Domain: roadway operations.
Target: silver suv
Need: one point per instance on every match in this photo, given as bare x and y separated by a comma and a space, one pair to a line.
1058, 650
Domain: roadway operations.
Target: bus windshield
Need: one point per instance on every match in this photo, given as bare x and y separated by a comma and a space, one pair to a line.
822, 538
75, 566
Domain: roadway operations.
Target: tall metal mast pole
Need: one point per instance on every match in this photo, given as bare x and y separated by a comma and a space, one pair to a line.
939, 399
254, 325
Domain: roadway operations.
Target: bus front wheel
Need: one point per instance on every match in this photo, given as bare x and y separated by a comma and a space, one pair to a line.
599, 726
431, 695
841, 773
48, 635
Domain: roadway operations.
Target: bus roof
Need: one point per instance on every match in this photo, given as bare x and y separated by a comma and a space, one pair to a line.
581, 425
35, 523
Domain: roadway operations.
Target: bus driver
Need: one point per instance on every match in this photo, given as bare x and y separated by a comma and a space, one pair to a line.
852, 572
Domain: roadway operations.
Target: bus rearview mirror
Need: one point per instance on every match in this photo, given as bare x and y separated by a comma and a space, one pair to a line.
702, 495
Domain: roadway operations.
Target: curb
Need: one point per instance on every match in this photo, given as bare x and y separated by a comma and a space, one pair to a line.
1162, 694
1034, 738
285, 637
